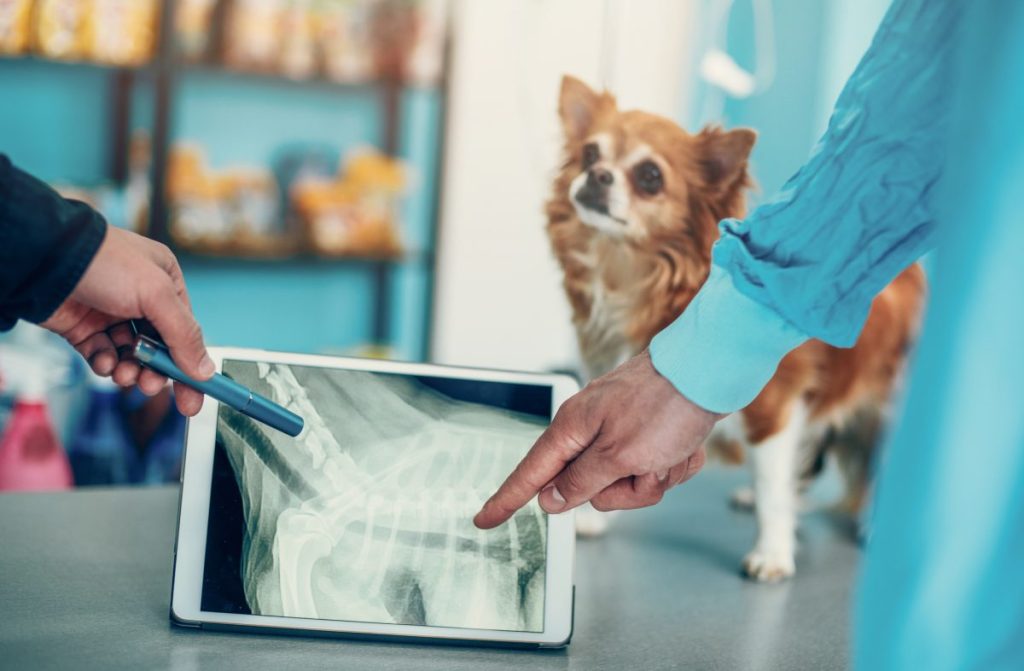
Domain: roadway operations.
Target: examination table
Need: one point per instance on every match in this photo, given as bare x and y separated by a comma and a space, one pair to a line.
85, 580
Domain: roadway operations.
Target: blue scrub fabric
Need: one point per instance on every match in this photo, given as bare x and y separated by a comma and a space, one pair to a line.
943, 579
926, 147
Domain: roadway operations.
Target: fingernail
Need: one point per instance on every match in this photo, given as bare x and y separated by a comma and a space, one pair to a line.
556, 497
206, 366
662, 476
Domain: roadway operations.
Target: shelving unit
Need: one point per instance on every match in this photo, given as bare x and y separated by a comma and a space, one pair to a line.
158, 85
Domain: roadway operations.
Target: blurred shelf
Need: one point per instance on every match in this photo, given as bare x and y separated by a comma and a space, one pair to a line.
285, 80
228, 72
277, 79
158, 86
192, 257
79, 63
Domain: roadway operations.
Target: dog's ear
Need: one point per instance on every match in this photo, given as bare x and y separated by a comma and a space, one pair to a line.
724, 154
578, 105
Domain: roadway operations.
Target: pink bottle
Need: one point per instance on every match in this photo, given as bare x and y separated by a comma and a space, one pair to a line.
31, 456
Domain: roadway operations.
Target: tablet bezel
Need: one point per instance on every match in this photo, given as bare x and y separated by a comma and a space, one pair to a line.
193, 518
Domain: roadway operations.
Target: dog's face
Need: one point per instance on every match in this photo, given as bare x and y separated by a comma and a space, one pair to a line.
638, 176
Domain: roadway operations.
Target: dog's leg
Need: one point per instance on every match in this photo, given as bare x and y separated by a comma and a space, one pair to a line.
728, 444
774, 461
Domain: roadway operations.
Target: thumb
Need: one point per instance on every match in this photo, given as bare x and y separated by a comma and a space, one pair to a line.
178, 327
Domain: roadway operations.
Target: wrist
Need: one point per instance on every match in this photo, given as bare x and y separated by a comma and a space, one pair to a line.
725, 346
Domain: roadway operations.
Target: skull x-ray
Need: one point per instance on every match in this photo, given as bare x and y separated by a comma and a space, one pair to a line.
367, 515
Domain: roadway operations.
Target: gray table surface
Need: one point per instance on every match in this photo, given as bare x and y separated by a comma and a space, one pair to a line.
85, 582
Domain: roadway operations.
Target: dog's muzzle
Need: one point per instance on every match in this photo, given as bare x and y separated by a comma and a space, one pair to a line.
594, 193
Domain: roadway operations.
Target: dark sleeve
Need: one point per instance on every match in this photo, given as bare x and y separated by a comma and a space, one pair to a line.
46, 243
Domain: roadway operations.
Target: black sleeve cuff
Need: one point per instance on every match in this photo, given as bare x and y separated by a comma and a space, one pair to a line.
60, 274
46, 244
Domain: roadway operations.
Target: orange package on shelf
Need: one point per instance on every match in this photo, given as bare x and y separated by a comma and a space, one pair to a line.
193, 21
234, 212
357, 214
15, 26
298, 48
58, 29
253, 34
121, 32
344, 41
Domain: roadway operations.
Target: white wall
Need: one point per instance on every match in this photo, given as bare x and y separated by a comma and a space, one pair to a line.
499, 300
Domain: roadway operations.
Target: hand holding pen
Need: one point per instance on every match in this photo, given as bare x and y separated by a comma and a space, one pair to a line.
152, 354
134, 287
132, 277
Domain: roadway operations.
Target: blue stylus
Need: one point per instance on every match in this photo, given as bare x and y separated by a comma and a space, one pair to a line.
154, 355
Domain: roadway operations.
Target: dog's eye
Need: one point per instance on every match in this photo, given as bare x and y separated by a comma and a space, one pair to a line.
647, 176
590, 155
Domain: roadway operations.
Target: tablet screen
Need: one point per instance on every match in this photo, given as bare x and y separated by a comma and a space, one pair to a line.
366, 516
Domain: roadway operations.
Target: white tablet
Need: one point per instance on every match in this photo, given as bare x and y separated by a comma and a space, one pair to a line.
362, 525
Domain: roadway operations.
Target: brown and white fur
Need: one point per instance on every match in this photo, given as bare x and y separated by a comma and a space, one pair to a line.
632, 220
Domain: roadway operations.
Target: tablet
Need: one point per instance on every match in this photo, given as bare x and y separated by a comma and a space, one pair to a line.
361, 526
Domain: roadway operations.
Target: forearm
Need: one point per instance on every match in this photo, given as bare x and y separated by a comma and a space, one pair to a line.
46, 243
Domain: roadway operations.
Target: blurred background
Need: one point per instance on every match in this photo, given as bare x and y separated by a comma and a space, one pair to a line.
361, 177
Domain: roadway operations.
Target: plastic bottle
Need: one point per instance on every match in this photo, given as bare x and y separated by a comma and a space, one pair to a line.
31, 456
163, 458
101, 451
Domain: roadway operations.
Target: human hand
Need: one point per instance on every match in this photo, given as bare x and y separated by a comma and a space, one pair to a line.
132, 277
620, 443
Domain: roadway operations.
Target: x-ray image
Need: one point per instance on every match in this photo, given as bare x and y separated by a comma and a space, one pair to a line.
367, 514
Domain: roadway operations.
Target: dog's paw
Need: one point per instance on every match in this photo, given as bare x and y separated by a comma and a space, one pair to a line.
769, 566
591, 523
742, 499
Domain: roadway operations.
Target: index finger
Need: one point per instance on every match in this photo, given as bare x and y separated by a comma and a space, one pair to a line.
562, 442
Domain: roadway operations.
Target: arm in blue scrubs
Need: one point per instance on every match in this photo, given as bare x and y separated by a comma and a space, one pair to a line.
808, 263
926, 147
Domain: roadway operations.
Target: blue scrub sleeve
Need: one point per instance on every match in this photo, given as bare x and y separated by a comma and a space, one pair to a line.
808, 263
943, 578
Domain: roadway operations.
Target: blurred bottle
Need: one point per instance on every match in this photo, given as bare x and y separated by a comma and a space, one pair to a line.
163, 456
158, 429
193, 21
31, 456
6, 403
101, 452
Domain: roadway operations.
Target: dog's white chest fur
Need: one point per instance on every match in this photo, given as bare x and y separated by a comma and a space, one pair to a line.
602, 335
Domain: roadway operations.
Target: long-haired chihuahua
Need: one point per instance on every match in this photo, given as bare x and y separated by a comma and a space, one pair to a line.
632, 219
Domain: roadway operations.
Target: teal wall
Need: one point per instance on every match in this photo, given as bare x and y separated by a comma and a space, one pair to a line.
54, 123
817, 45
53, 119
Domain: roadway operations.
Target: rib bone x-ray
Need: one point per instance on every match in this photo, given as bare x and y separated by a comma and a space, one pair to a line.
367, 515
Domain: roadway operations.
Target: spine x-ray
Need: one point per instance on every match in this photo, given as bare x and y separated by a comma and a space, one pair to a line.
367, 514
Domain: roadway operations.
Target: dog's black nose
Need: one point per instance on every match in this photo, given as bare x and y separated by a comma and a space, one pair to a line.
600, 176
593, 194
